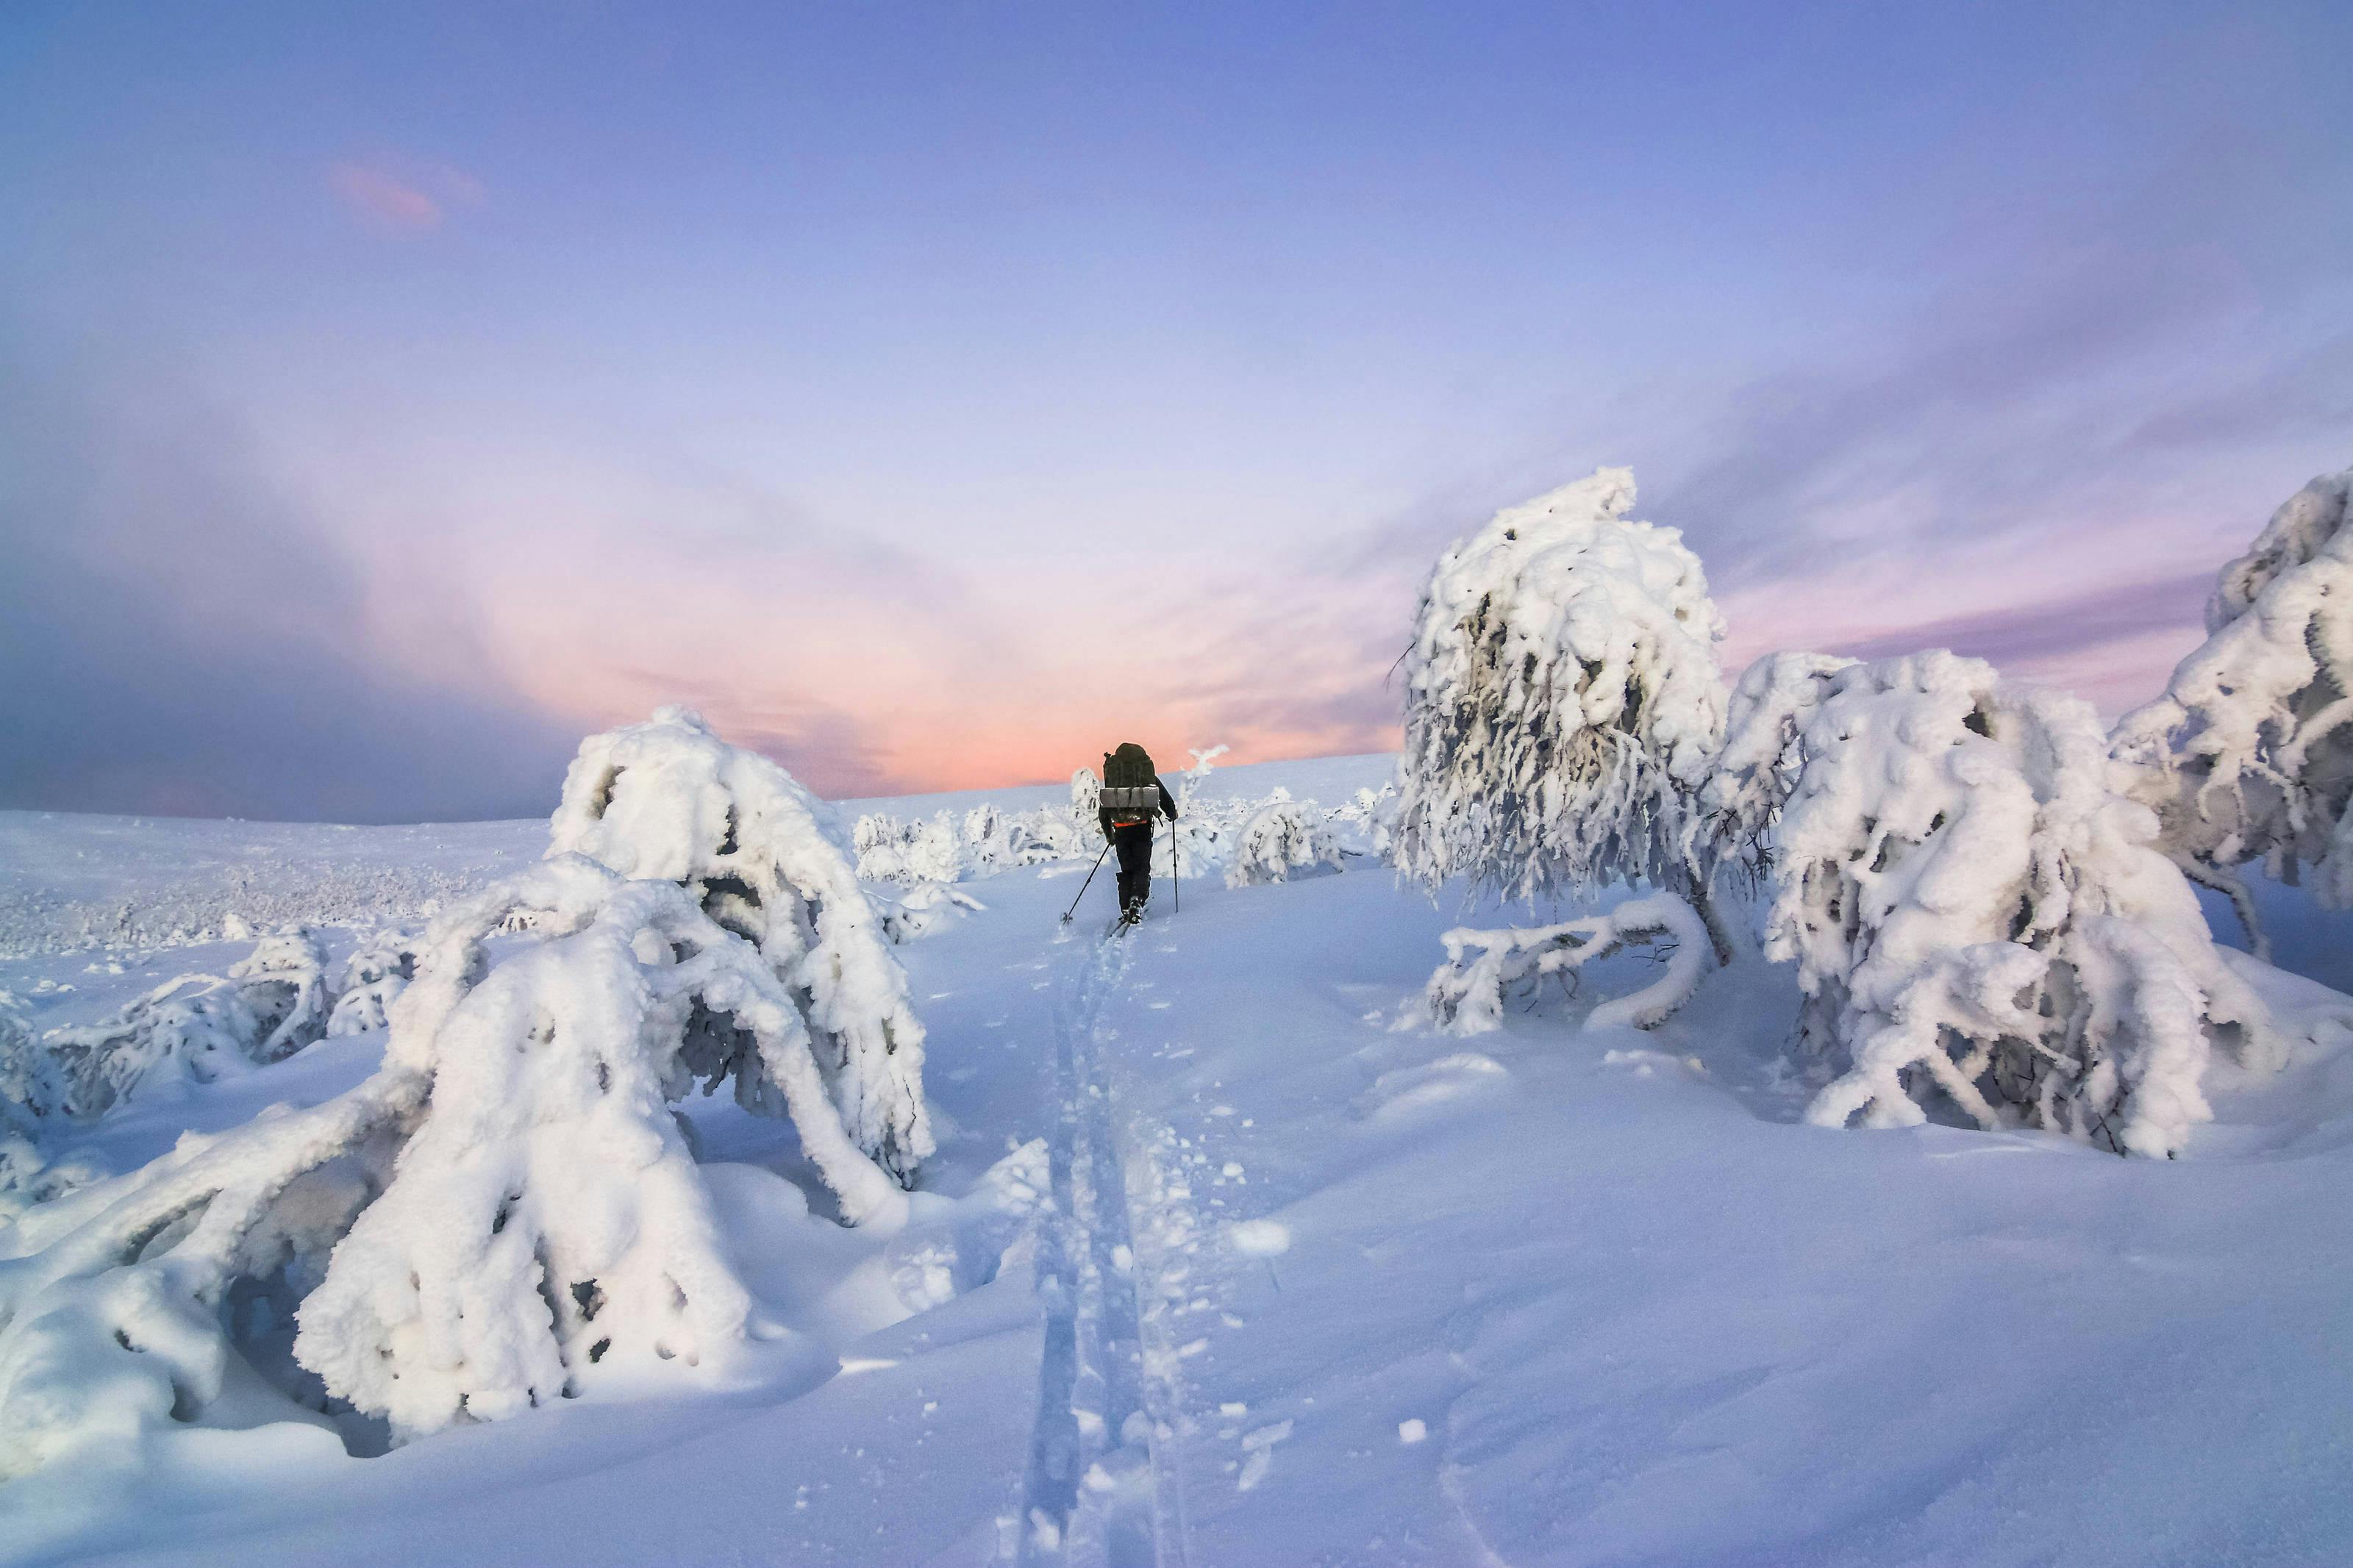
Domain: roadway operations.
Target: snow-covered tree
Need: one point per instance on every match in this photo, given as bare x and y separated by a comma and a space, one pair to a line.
2248, 756
195, 1027
1562, 702
1975, 915
1086, 797
764, 858
509, 1200
1283, 838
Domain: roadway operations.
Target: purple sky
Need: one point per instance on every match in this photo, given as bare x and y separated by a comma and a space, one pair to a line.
938, 394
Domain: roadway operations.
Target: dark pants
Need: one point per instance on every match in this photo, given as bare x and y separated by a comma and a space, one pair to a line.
1134, 846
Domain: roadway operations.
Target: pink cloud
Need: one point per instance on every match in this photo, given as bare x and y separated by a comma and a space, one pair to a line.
395, 193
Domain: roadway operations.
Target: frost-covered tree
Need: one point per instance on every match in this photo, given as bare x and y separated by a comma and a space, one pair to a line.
763, 857
507, 1202
1282, 838
1086, 796
1562, 703
195, 1027
2248, 756
1975, 915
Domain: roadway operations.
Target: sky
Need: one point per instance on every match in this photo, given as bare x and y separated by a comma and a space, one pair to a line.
937, 394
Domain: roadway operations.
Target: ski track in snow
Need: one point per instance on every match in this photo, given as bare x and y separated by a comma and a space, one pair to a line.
1100, 1488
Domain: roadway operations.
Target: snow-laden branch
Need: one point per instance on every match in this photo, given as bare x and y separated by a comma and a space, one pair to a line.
1465, 995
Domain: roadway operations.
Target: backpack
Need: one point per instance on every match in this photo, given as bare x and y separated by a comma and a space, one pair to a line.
1131, 786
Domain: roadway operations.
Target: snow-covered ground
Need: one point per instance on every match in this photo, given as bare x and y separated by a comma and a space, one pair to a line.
1225, 1259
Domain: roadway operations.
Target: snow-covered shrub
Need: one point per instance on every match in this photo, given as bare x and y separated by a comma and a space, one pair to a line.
1284, 836
508, 1202
1363, 820
763, 858
1974, 914
1037, 837
926, 910
1759, 763
2248, 756
27, 1176
1086, 796
195, 1027
284, 981
879, 841
1562, 702
987, 846
379, 969
1465, 995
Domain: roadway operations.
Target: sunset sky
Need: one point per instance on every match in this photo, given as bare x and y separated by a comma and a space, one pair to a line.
935, 394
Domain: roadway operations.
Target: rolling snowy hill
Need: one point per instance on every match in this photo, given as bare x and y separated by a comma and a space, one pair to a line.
1228, 1259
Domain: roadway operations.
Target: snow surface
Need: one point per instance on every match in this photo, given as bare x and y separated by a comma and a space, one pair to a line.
1225, 1258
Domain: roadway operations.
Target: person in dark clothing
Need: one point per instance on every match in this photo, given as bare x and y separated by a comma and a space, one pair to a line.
1128, 826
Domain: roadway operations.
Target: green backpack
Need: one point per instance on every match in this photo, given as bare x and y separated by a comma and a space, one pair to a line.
1130, 783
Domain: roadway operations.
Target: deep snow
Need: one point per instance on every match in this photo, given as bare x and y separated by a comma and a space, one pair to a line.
1319, 1285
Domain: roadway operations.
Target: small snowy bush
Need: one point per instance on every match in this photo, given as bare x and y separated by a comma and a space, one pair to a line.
193, 1028
379, 969
2248, 756
668, 799
1282, 837
1975, 915
1086, 796
284, 981
1364, 820
926, 910
1562, 702
506, 1202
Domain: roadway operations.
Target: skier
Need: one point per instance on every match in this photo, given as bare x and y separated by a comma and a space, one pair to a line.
1132, 795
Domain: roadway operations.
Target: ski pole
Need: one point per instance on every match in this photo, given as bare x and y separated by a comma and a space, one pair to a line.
1085, 885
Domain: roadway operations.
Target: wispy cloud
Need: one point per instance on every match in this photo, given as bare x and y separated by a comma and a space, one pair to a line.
401, 195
